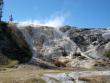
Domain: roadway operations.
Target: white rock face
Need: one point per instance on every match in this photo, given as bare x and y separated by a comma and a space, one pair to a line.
47, 42
107, 46
72, 77
106, 36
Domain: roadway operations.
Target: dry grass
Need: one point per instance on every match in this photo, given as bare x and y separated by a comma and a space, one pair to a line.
96, 79
26, 74
30, 80
21, 76
11, 64
32, 74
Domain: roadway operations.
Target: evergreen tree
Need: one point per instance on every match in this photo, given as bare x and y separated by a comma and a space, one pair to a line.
11, 18
1, 8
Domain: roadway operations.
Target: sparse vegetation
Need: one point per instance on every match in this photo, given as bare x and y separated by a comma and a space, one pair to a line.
13, 48
19, 42
6, 62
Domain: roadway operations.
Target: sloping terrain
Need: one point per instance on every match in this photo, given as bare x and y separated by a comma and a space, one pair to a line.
67, 46
13, 48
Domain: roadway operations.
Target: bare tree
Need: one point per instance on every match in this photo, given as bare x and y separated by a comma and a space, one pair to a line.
1, 8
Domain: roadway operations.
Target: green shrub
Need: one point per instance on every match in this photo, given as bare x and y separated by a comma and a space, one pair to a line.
3, 24
107, 53
6, 62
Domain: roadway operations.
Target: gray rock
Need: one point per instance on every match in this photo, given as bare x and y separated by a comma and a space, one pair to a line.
91, 41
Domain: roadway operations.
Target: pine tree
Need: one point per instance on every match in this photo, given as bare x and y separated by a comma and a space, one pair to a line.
11, 18
1, 8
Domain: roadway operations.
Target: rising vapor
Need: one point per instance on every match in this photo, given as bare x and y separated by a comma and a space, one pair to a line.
56, 22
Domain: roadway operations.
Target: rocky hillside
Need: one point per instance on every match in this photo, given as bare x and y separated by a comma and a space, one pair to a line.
92, 42
64, 47
67, 46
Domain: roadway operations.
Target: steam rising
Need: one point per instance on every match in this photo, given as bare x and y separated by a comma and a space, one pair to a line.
56, 22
